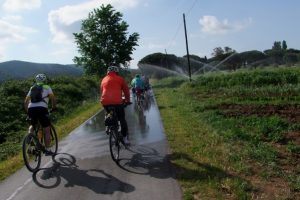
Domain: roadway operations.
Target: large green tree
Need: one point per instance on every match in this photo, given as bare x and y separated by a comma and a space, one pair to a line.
104, 40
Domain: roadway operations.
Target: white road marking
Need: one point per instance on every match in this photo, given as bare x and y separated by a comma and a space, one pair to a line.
24, 184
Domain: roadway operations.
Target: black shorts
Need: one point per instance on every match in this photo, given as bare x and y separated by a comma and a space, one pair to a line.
39, 114
120, 111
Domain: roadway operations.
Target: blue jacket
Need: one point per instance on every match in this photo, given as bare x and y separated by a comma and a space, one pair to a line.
137, 83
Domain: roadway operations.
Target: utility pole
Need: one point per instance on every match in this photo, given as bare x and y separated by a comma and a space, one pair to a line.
187, 48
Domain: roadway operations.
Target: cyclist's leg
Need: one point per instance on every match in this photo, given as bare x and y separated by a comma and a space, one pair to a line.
147, 89
107, 110
138, 94
133, 91
47, 136
45, 122
143, 94
33, 115
121, 117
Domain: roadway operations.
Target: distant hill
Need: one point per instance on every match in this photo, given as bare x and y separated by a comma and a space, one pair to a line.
21, 70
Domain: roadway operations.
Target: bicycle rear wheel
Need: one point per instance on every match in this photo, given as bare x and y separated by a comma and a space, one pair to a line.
31, 152
114, 145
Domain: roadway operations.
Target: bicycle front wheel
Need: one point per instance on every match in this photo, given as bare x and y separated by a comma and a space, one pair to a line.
31, 152
114, 145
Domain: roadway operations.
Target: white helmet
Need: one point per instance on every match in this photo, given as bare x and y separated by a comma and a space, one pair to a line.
41, 78
112, 69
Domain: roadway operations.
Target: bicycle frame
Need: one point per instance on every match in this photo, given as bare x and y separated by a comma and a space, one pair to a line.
41, 136
139, 94
140, 99
34, 145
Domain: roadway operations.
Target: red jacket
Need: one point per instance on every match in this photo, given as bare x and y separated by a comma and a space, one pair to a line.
111, 89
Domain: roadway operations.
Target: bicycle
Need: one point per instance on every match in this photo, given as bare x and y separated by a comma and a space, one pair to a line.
34, 145
140, 98
113, 129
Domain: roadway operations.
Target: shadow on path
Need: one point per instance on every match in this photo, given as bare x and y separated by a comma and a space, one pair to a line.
65, 167
147, 161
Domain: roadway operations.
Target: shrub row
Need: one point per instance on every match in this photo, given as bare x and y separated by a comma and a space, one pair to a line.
254, 78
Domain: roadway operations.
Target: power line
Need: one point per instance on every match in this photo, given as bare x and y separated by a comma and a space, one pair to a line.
175, 35
180, 25
191, 7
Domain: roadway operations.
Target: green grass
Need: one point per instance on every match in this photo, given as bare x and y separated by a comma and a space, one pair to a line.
228, 133
63, 127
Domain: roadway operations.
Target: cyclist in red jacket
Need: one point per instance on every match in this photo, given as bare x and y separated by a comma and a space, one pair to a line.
112, 89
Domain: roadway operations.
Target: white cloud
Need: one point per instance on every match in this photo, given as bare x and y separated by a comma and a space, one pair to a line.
12, 18
13, 33
211, 25
67, 19
19, 5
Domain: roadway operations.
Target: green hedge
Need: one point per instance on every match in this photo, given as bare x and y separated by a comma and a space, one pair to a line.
255, 78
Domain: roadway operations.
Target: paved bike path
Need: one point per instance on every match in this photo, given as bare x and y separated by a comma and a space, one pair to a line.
83, 168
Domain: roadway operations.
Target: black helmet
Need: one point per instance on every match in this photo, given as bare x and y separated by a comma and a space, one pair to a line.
113, 69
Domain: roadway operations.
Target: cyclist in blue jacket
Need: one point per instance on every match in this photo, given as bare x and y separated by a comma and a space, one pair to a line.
137, 85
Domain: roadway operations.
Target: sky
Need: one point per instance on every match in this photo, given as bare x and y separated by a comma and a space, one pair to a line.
41, 31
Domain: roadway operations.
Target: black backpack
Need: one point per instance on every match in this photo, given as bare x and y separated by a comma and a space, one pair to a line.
36, 93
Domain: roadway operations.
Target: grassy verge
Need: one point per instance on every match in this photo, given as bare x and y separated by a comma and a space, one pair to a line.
234, 136
63, 127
